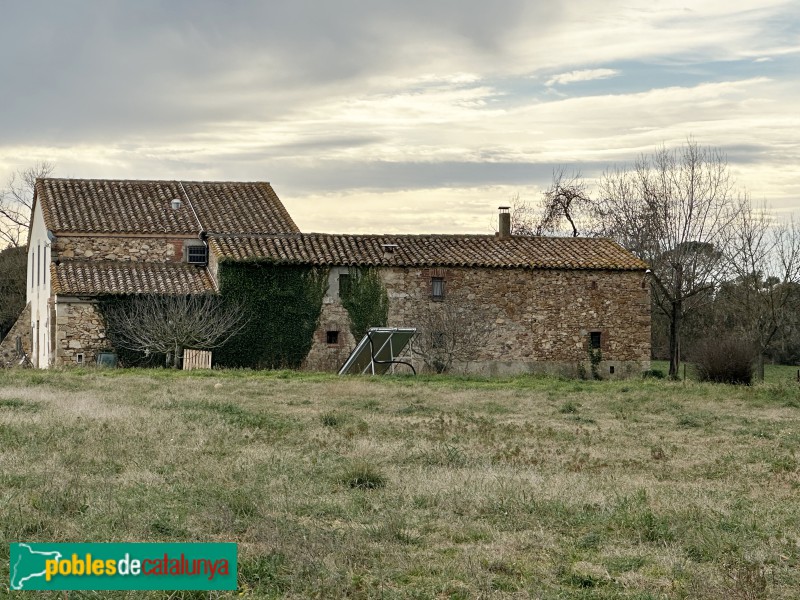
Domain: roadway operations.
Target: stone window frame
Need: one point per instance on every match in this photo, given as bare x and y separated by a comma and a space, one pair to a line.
595, 340
438, 292
603, 333
333, 337
429, 275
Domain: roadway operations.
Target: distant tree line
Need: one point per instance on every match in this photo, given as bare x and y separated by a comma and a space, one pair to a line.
13, 264
721, 266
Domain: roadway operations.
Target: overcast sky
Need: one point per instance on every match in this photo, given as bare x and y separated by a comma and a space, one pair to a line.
390, 116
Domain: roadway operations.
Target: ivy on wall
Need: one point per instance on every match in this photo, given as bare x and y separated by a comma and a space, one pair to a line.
283, 304
366, 301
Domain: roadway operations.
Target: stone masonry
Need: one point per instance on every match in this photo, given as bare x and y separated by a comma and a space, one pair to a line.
118, 248
21, 329
541, 319
79, 329
325, 356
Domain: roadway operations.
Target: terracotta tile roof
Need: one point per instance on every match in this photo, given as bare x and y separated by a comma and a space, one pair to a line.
76, 277
430, 250
138, 206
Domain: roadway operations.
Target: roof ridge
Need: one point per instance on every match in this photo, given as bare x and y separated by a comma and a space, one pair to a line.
148, 263
427, 250
487, 236
116, 180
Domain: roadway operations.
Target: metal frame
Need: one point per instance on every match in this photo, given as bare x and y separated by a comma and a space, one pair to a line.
375, 339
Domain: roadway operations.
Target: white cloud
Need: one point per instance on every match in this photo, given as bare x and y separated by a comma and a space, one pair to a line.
583, 75
401, 116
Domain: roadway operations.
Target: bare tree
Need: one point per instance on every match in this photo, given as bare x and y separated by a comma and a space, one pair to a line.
567, 199
16, 203
168, 324
764, 258
450, 331
676, 210
524, 216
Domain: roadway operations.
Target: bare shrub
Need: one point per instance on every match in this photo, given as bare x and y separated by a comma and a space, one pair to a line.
724, 360
151, 323
451, 331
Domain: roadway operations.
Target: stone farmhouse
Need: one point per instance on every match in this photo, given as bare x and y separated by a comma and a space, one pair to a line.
548, 300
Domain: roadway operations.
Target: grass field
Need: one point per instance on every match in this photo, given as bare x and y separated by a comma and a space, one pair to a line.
415, 488
772, 373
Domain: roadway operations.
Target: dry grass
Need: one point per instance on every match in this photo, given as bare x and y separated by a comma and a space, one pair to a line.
416, 488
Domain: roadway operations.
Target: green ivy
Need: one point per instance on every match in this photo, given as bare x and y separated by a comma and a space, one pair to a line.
283, 304
366, 301
595, 358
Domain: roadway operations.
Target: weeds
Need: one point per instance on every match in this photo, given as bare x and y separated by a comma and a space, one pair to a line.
458, 487
362, 475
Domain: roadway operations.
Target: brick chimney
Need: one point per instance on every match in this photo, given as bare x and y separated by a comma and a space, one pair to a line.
505, 222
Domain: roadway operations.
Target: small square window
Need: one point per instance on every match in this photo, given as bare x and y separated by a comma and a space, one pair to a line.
332, 337
437, 288
344, 284
197, 255
594, 340
79, 358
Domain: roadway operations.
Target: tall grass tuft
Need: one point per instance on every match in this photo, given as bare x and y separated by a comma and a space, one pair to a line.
362, 475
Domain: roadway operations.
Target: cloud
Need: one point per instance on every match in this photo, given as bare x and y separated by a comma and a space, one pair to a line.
339, 102
584, 75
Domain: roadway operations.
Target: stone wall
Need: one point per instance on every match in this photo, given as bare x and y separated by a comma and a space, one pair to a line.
540, 320
79, 329
21, 329
213, 265
119, 248
326, 356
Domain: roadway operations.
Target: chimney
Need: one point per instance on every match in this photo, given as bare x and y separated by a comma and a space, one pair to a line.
388, 250
505, 222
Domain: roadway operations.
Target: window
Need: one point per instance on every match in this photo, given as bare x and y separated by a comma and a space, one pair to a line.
79, 358
437, 288
344, 284
38, 263
594, 340
197, 255
332, 337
